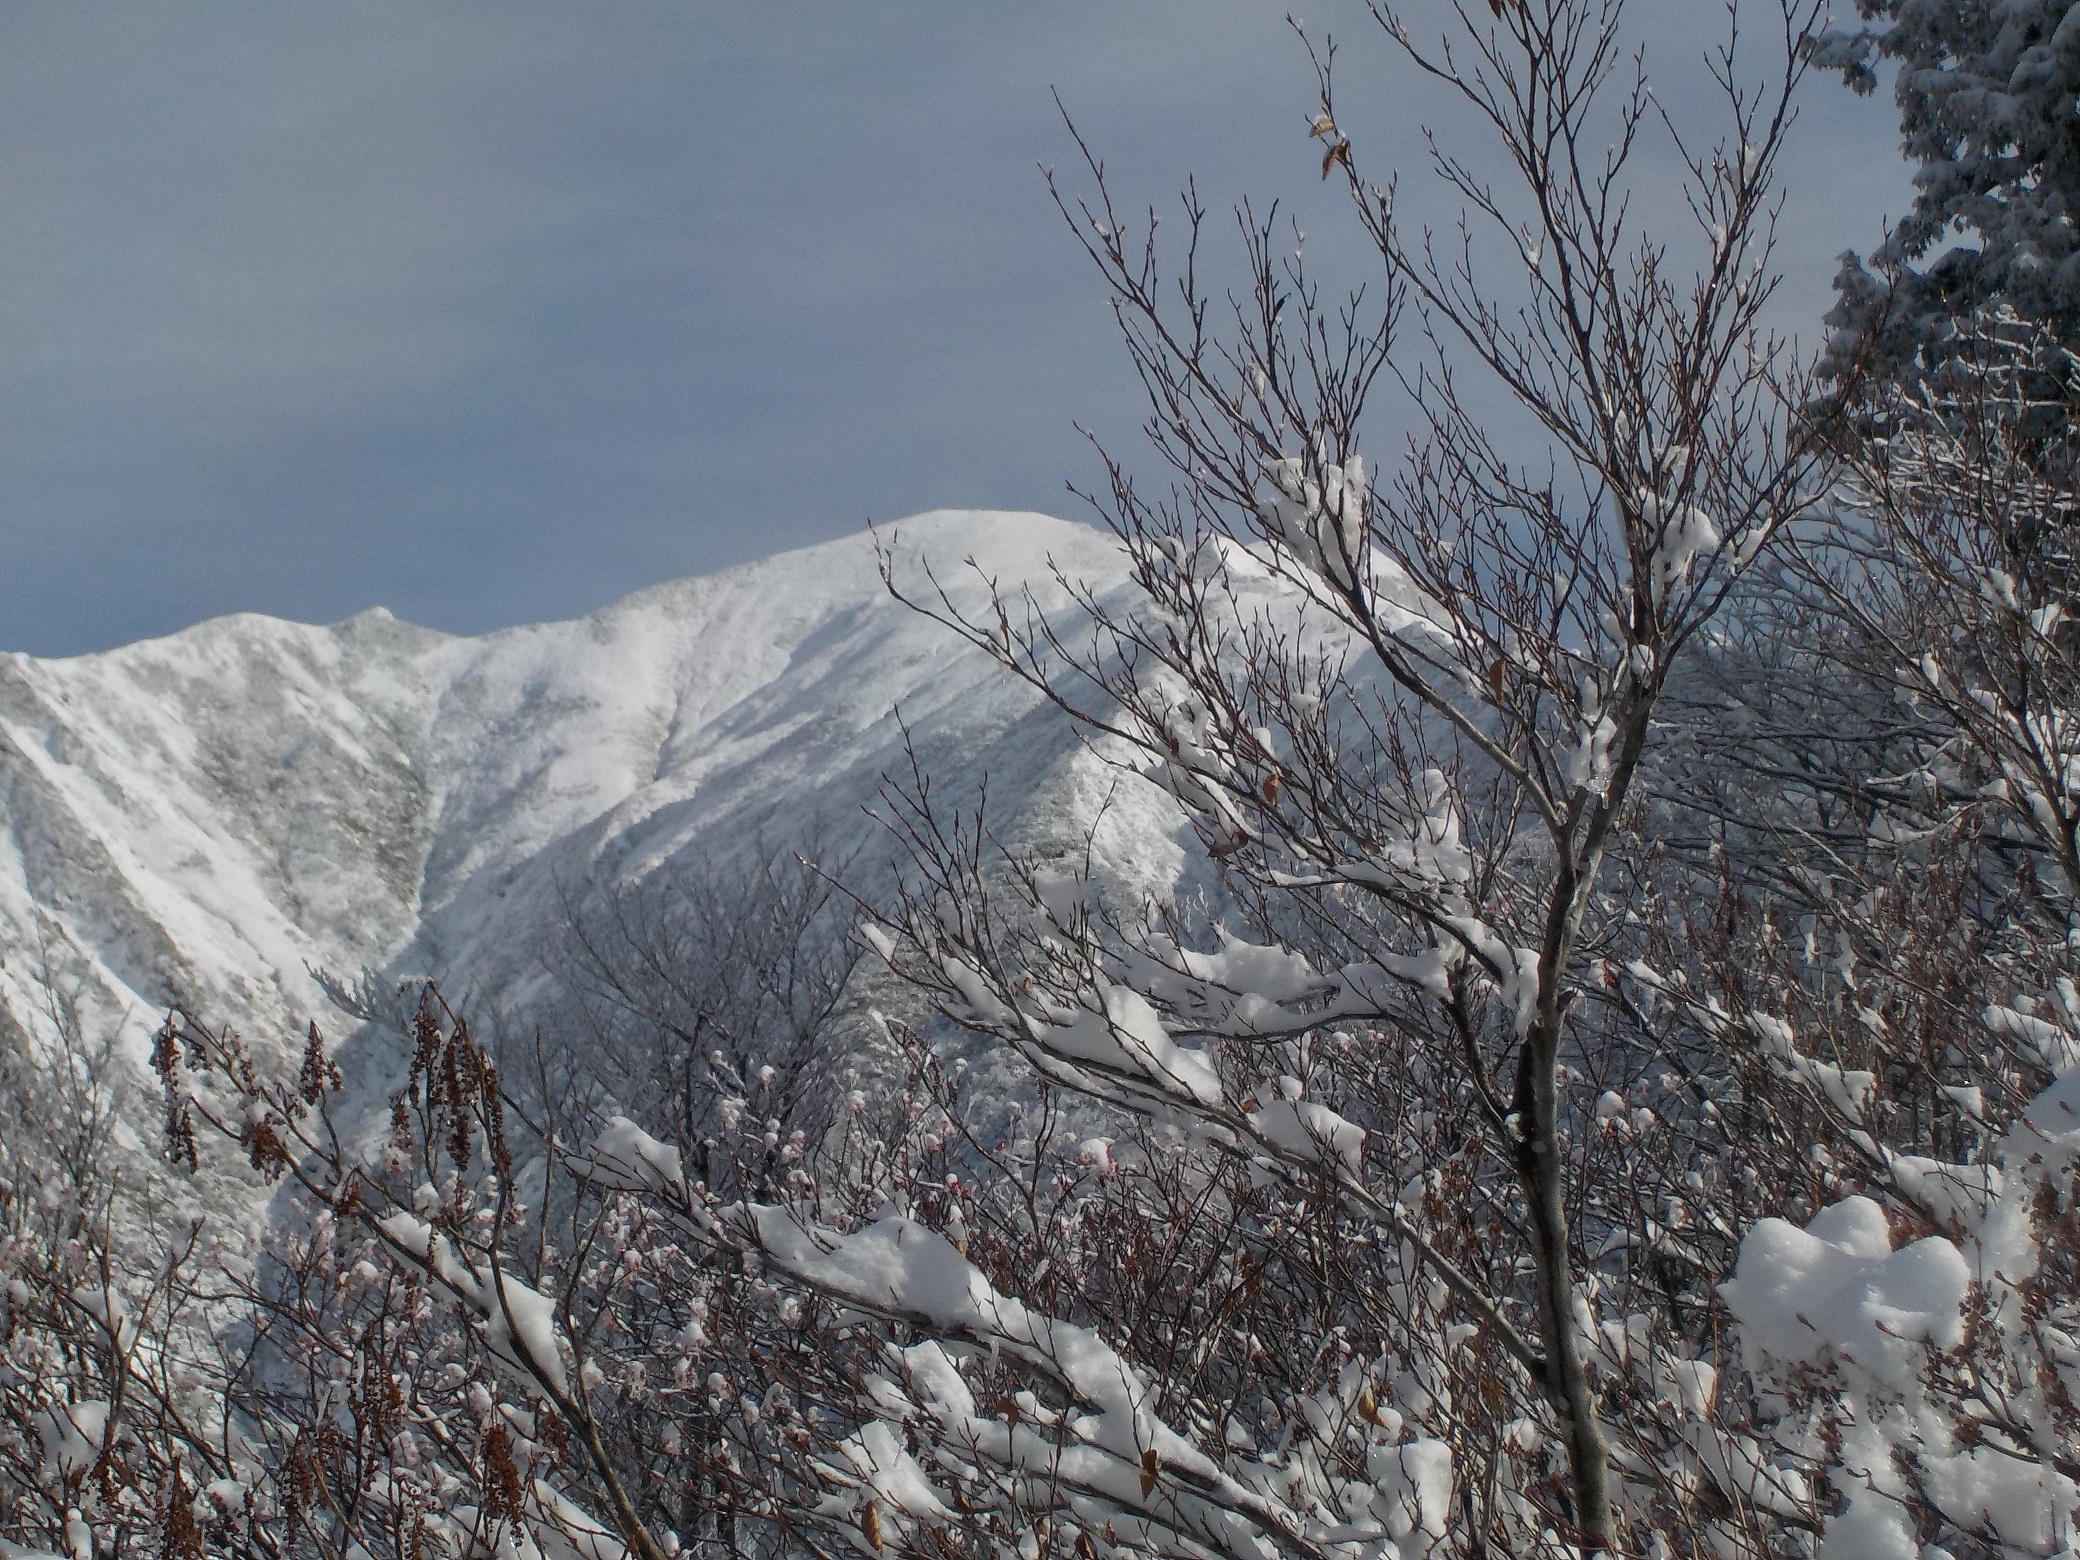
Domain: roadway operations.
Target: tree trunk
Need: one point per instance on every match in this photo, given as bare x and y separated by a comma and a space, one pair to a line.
1538, 1171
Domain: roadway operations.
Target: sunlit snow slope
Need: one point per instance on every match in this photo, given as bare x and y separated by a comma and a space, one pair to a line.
211, 816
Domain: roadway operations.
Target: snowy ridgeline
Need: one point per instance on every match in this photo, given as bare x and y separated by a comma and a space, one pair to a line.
214, 816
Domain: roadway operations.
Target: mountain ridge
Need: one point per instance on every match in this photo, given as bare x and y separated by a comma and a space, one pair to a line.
214, 815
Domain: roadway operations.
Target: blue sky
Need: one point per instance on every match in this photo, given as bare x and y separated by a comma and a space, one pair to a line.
489, 311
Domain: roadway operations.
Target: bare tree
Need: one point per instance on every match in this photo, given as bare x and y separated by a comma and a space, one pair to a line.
1413, 712
700, 985
111, 1381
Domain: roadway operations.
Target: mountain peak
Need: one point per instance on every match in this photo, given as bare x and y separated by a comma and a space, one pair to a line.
211, 815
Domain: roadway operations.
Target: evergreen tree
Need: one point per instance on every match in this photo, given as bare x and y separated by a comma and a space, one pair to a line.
1990, 116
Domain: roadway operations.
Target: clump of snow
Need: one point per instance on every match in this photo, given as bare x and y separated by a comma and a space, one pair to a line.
1303, 1130
1319, 514
73, 1437
627, 1158
1129, 1036
1838, 1291
517, 1321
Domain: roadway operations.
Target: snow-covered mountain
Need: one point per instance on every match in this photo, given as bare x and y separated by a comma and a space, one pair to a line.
215, 815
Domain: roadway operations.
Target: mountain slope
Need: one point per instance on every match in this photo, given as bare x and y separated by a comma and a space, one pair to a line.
210, 816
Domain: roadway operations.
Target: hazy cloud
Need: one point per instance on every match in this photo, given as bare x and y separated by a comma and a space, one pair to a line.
489, 312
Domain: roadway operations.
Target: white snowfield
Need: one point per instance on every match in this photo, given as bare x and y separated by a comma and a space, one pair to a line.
213, 815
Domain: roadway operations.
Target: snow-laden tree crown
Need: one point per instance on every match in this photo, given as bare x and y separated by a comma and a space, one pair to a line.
1987, 95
